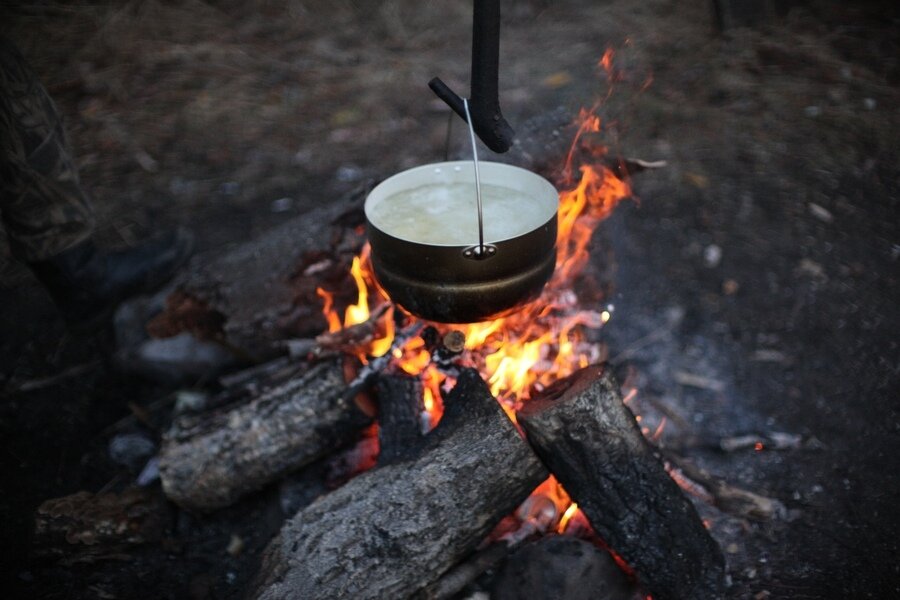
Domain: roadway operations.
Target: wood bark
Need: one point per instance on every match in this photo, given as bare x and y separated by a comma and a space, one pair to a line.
250, 287
399, 417
590, 440
211, 461
395, 529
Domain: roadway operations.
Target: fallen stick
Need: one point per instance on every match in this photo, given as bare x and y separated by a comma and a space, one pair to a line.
210, 461
394, 530
589, 439
730, 499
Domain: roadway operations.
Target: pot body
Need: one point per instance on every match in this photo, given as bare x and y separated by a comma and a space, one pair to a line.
437, 282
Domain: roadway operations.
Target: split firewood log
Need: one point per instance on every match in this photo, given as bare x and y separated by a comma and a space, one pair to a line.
395, 529
211, 460
589, 439
400, 412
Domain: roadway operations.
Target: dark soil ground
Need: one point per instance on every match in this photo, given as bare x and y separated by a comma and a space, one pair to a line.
756, 278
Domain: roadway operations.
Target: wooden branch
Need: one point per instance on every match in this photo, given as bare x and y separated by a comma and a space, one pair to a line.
588, 438
210, 462
730, 499
354, 336
394, 530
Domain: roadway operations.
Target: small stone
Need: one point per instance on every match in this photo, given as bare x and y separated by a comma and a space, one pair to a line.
281, 205
697, 180
235, 545
730, 287
712, 255
870, 103
732, 548
131, 449
812, 111
820, 212
348, 173
812, 269
229, 188
150, 473
189, 401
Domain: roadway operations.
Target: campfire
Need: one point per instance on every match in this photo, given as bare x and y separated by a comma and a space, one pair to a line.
519, 354
532, 348
483, 434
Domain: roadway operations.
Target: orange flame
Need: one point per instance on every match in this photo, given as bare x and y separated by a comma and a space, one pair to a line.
606, 62
542, 342
334, 322
359, 312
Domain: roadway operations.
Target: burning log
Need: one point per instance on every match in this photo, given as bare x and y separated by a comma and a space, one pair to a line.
399, 417
395, 529
249, 295
588, 438
210, 461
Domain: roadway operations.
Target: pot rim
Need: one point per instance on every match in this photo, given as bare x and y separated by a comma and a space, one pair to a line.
541, 190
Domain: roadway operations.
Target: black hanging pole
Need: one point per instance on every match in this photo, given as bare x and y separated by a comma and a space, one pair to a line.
484, 101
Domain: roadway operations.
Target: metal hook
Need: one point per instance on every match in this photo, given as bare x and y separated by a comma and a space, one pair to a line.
486, 117
481, 250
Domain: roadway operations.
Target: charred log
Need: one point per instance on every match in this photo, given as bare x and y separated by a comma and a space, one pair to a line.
589, 439
395, 529
211, 460
457, 578
252, 297
399, 417
84, 527
561, 567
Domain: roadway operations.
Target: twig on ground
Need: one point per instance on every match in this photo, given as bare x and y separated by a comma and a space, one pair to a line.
45, 382
728, 498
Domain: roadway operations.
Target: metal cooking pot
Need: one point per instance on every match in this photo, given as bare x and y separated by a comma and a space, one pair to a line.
465, 283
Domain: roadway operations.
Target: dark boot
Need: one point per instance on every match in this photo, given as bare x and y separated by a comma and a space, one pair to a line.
86, 283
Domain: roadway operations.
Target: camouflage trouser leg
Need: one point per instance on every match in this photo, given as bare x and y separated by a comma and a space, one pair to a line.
42, 205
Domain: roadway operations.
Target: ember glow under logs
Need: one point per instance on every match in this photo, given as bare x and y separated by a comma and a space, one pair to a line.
422, 226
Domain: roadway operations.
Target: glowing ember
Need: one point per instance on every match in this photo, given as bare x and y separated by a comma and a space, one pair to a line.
544, 341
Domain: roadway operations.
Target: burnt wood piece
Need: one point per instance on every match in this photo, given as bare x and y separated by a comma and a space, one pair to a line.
84, 527
251, 288
590, 440
561, 567
457, 578
399, 417
730, 499
394, 530
210, 461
